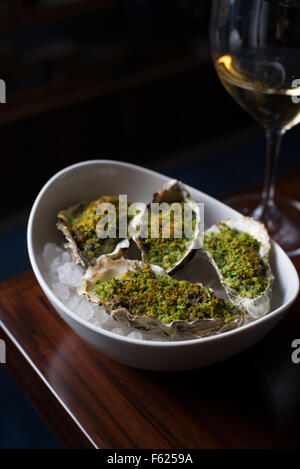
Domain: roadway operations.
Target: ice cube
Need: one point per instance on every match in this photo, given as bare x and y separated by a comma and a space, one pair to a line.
50, 252
70, 274
61, 291
118, 330
135, 335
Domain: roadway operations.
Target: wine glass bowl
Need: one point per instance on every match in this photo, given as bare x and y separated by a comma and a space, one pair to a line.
255, 46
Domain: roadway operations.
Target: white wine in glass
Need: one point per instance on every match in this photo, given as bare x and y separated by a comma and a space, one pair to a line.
256, 51
260, 86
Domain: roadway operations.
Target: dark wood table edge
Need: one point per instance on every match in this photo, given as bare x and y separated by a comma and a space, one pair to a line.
58, 418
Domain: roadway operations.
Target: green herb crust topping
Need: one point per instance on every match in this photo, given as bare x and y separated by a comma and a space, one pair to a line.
236, 254
168, 251
83, 225
143, 293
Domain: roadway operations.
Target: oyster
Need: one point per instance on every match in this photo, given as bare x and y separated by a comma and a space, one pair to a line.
177, 228
239, 251
143, 296
79, 224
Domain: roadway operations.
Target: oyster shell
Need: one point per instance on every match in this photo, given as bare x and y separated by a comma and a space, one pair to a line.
255, 305
170, 252
108, 269
82, 248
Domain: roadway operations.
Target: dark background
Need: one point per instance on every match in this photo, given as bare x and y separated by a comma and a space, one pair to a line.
124, 79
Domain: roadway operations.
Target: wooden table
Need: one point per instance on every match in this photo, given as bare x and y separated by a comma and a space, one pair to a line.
90, 401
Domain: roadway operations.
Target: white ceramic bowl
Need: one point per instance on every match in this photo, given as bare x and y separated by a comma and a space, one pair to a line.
85, 181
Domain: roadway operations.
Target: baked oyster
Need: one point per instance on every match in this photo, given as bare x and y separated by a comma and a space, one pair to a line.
80, 225
143, 296
239, 251
169, 233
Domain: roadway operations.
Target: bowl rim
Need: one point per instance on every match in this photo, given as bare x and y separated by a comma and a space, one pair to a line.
99, 330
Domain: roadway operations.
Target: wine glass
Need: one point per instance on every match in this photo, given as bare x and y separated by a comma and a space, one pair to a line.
255, 47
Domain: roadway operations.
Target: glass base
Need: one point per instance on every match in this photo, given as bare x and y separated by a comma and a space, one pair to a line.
282, 219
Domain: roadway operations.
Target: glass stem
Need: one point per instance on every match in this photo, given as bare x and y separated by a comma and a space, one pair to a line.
274, 139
